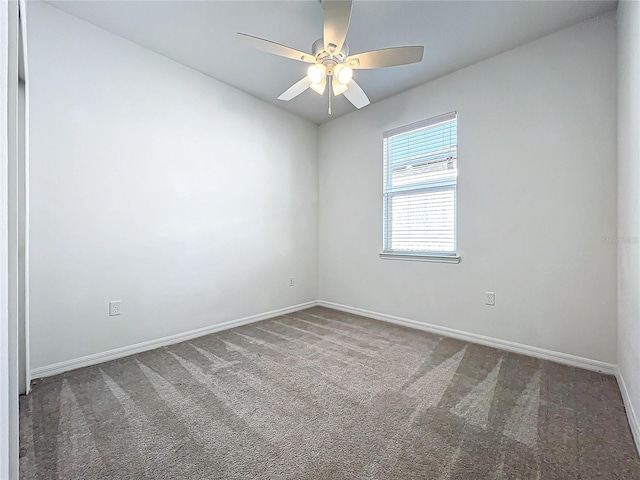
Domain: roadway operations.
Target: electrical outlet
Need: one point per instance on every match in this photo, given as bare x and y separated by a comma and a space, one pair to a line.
115, 308
490, 298
291, 282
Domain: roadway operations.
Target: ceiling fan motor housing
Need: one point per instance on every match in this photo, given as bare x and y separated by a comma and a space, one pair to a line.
327, 59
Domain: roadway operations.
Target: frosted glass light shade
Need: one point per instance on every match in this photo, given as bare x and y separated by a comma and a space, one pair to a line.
316, 73
343, 73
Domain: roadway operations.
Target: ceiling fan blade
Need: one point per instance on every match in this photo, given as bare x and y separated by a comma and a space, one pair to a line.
356, 95
295, 89
387, 57
275, 48
337, 14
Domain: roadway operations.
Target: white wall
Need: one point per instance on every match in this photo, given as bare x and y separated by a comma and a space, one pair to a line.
629, 205
536, 198
193, 203
150, 183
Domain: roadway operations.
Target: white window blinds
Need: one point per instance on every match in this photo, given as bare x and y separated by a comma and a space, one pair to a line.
420, 175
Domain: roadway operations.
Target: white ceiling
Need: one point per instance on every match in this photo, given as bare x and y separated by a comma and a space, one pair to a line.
455, 34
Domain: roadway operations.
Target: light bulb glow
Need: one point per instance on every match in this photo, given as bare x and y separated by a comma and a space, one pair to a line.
316, 73
343, 73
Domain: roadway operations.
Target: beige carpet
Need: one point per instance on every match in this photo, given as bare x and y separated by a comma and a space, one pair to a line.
321, 394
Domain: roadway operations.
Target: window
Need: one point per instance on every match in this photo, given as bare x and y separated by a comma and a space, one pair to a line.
419, 191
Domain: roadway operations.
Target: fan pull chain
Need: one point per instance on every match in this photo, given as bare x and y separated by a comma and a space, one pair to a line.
329, 81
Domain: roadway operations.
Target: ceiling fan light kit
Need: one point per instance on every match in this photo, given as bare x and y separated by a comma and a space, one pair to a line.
330, 61
319, 88
338, 87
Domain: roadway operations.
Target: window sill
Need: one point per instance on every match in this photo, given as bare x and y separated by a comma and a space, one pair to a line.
412, 257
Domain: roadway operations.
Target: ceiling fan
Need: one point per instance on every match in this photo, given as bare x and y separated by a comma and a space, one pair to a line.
331, 65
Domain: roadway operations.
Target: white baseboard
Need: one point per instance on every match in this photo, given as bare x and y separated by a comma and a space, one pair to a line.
634, 424
96, 358
537, 352
558, 357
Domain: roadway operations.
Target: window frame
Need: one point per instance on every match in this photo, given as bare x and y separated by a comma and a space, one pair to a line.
434, 186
